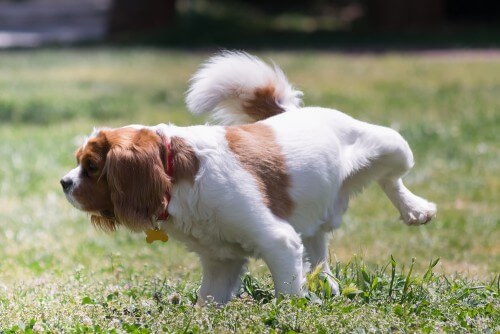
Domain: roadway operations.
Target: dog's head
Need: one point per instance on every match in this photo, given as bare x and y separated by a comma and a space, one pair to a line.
120, 178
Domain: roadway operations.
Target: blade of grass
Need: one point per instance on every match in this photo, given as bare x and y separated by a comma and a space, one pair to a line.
393, 275
407, 281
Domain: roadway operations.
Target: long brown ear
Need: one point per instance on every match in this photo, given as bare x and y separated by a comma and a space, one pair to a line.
136, 178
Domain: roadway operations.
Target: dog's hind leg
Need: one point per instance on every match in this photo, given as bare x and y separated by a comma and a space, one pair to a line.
414, 210
381, 154
395, 159
317, 253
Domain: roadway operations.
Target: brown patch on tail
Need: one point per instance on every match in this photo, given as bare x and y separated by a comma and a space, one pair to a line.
256, 148
263, 104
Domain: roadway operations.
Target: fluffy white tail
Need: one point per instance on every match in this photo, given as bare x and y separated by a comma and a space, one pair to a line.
240, 88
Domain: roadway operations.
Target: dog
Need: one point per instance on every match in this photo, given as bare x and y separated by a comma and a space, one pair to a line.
271, 180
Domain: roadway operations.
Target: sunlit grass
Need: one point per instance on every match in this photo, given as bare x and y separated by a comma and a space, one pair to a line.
59, 272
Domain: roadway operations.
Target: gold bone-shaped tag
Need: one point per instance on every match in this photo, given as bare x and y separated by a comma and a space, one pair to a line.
153, 235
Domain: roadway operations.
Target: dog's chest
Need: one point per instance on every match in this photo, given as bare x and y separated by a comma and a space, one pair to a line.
204, 238
199, 210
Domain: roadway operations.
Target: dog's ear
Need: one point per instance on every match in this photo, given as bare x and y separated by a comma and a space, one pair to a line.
137, 179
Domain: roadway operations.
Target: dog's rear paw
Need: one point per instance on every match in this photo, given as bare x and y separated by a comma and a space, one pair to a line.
419, 212
334, 287
332, 283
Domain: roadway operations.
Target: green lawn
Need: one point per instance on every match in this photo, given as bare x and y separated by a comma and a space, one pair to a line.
59, 274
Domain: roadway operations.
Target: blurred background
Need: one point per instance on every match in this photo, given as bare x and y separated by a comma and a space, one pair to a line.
358, 24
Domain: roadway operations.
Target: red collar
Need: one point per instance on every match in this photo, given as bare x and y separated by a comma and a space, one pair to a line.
169, 169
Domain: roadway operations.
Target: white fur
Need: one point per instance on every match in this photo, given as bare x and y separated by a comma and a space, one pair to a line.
74, 176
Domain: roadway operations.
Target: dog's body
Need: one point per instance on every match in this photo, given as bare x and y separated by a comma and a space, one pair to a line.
271, 189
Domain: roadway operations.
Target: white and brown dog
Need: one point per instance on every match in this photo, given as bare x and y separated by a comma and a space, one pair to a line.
271, 181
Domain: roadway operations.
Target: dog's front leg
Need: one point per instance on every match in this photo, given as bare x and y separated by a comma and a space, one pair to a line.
220, 279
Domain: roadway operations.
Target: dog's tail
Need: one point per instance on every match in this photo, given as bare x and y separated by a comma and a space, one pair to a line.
240, 88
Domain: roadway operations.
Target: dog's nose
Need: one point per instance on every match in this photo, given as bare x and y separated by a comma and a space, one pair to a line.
66, 183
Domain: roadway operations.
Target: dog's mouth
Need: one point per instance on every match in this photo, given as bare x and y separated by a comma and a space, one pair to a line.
73, 201
108, 214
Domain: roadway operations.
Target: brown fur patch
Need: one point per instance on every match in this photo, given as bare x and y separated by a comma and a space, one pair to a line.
256, 147
185, 161
263, 104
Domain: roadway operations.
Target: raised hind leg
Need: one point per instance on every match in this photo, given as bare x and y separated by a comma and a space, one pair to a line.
386, 157
395, 160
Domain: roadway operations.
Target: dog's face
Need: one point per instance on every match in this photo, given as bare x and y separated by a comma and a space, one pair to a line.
120, 178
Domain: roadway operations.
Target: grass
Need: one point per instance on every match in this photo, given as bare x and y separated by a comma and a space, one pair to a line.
58, 274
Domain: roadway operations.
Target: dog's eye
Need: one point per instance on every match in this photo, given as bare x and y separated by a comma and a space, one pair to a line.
84, 172
91, 167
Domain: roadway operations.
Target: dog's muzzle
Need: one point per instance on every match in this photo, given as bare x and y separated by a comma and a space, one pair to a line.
66, 184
